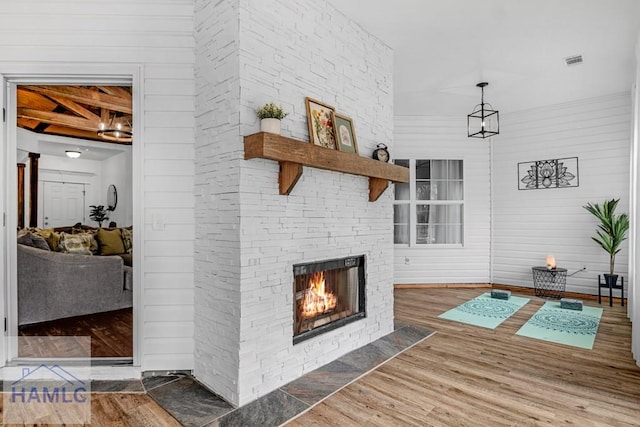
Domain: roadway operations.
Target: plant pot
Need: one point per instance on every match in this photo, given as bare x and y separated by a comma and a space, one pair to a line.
611, 279
270, 125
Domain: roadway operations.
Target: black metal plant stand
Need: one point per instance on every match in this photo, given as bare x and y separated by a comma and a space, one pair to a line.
549, 282
611, 286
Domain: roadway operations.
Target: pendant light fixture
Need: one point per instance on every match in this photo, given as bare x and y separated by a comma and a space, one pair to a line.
484, 121
117, 130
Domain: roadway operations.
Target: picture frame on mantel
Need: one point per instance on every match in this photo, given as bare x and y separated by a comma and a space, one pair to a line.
320, 118
345, 133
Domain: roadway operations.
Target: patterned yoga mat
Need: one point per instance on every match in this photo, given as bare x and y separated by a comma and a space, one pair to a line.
563, 326
485, 311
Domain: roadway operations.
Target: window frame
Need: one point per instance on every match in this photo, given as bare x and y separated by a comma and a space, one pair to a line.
413, 202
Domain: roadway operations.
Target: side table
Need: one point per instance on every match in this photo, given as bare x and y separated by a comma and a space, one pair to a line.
549, 282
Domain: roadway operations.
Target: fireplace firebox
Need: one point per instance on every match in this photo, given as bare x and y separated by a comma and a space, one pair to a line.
327, 295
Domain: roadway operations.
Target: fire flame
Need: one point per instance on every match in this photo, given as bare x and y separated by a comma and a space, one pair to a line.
316, 299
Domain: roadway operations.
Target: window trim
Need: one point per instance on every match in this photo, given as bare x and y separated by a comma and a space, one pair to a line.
413, 202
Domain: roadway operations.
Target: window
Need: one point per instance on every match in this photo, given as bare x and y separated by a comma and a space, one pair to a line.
428, 210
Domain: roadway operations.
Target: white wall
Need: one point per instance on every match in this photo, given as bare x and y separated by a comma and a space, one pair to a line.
117, 170
96, 174
57, 169
530, 224
217, 182
445, 138
248, 241
157, 35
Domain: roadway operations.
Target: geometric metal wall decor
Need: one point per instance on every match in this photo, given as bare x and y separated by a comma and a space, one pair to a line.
541, 174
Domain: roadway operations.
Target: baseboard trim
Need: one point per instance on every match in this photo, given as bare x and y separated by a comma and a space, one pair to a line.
521, 289
576, 295
442, 285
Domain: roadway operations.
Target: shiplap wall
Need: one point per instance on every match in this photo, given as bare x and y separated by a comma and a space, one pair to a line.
445, 138
158, 35
530, 224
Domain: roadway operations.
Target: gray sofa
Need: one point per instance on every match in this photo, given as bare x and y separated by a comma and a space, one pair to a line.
54, 285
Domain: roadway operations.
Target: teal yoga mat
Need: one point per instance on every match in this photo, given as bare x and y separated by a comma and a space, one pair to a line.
560, 325
485, 311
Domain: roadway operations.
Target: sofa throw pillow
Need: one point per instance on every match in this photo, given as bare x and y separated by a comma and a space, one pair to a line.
75, 243
32, 239
54, 241
95, 247
127, 239
48, 235
42, 232
110, 242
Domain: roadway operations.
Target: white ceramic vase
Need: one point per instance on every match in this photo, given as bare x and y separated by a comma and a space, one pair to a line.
270, 125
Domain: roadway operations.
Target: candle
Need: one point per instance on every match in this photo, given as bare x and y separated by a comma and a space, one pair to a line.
551, 262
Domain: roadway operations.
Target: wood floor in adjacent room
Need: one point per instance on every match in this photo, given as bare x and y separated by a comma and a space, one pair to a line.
470, 376
111, 335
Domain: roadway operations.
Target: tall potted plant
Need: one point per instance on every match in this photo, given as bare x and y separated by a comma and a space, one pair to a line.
611, 232
99, 214
270, 116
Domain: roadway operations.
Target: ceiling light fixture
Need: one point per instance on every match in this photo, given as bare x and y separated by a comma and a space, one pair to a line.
73, 154
118, 129
483, 122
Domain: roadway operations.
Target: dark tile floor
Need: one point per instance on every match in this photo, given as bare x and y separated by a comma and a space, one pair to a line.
194, 405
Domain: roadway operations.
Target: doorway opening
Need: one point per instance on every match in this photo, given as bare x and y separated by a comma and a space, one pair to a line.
72, 273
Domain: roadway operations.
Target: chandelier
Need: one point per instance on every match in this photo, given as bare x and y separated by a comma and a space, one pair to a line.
484, 121
117, 130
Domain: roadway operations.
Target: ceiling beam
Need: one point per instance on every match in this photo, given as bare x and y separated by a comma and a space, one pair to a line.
88, 97
77, 133
59, 119
28, 124
76, 108
29, 99
72, 132
116, 91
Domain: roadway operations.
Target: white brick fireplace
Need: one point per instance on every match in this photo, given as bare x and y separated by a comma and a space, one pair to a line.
248, 237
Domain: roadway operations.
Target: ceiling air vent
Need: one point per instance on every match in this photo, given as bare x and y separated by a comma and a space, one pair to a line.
573, 60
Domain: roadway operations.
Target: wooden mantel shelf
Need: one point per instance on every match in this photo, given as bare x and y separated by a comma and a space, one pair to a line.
292, 154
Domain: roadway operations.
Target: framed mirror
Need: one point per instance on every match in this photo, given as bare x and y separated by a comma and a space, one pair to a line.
112, 197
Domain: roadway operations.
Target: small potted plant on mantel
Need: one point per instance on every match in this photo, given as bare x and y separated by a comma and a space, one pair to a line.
270, 116
611, 231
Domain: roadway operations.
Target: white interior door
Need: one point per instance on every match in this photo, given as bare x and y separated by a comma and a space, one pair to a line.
63, 204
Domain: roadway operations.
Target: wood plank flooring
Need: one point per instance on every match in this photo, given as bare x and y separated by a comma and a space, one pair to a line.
463, 376
111, 336
122, 410
470, 376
